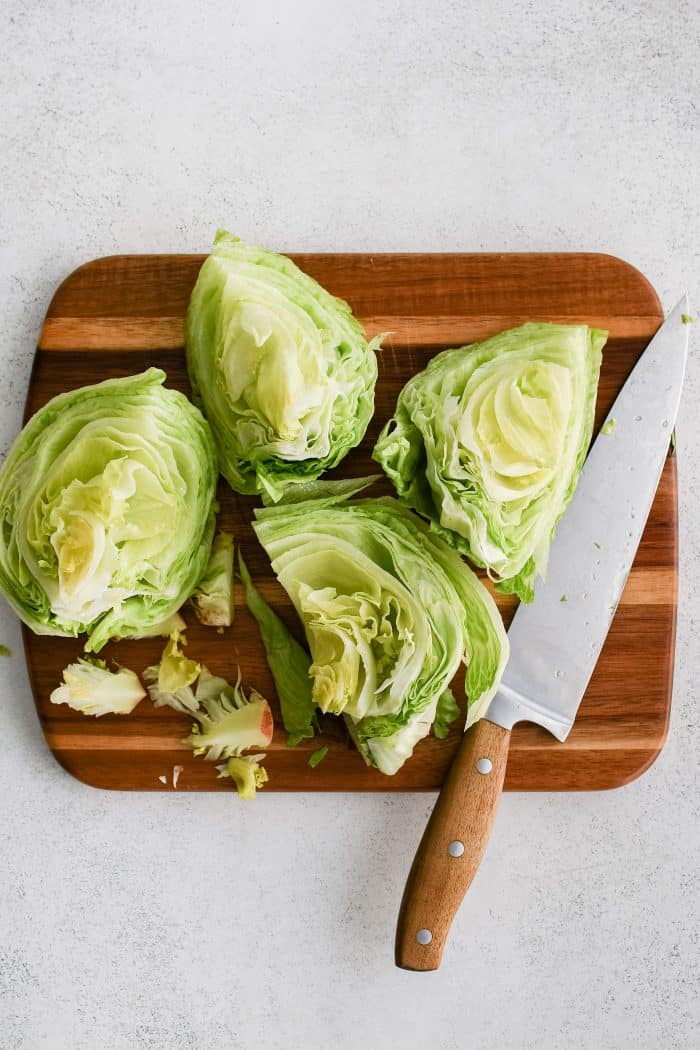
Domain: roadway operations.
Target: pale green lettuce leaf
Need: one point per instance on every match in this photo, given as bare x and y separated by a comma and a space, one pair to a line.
230, 723
173, 624
175, 670
170, 681
182, 699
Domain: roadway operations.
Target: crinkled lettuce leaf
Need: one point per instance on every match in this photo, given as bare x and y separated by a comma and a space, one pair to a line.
175, 670
246, 772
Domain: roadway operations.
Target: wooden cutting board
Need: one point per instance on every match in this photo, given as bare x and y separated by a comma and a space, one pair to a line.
118, 315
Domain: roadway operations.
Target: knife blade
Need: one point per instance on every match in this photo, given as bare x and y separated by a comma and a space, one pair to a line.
556, 641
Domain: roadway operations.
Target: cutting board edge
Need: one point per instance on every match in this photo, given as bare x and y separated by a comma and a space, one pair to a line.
118, 257
574, 784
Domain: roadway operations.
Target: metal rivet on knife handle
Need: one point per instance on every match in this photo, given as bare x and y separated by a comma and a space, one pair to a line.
484, 765
452, 846
424, 936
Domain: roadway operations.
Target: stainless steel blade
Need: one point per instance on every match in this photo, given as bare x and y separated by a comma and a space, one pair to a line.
555, 642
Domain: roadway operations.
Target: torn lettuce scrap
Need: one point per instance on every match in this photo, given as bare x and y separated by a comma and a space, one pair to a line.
246, 772
228, 722
212, 599
88, 686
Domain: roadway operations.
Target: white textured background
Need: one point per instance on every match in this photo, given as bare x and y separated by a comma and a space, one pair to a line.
168, 922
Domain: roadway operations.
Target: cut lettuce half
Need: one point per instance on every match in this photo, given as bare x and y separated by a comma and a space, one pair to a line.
488, 442
389, 611
107, 510
281, 368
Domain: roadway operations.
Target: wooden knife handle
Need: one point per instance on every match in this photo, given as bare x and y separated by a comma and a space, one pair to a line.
452, 846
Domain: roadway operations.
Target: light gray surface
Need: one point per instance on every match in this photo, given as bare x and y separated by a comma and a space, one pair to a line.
162, 921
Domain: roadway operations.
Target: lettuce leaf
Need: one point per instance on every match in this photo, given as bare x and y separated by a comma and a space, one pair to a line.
289, 663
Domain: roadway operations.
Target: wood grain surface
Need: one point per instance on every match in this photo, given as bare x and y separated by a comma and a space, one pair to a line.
118, 315
461, 821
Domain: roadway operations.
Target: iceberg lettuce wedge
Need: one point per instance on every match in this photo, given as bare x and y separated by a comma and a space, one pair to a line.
488, 441
281, 368
107, 510
389, 611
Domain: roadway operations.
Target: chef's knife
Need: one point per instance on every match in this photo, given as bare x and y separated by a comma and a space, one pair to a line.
555, 642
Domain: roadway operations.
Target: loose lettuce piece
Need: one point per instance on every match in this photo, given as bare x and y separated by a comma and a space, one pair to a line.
182, 699
89, 687
107, 509
228, 722
333, 491
389, 611
175, 670
211, 686
169, 681
317, 757
488, 442
246, 772
213, 596
289, 663
281, 368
